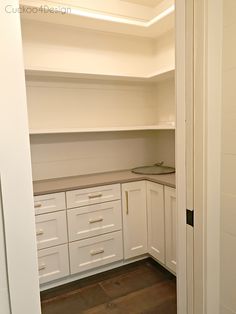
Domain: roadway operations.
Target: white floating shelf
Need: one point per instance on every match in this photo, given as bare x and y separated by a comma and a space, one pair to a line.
161, 126
52, 73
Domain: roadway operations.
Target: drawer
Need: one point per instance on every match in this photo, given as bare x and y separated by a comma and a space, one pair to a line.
53, 263
93, 220
91, 196
51, 229
49, 203
95, 252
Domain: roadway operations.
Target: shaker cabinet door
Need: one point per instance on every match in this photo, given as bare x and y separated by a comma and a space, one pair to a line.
134, 218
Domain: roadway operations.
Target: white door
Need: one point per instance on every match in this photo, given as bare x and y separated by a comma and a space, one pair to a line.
170, 227
134, 218
15, 171
155, 212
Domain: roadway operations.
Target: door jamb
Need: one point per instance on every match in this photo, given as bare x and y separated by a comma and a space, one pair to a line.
180, 30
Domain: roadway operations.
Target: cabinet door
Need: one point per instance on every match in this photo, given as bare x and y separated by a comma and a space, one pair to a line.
134, 218
156, 221
170, 227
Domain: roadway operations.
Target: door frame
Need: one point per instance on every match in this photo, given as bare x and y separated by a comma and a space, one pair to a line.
208, 41
180, 87
207, 75
207, 166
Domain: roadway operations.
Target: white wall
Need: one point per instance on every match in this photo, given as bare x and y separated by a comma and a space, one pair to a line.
77, 154
164, 51
165, 101
15, 171
228, 167
84, 51
74, 49
80, 104
89, 104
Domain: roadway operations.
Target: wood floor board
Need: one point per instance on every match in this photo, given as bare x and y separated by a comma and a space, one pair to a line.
76, 301
140, 278
138, 301
140, 288
67, 288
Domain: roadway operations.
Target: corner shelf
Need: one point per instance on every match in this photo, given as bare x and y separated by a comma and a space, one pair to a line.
36, 73
161, 126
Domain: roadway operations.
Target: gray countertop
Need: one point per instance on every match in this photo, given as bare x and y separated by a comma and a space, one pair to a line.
92, 180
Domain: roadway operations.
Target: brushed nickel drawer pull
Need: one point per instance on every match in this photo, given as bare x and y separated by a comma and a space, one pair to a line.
37, 205
96, 252
95, 195
39, 232
42, 267
92, 221
127, 202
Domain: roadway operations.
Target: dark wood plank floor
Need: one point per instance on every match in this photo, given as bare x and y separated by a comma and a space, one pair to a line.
143, 287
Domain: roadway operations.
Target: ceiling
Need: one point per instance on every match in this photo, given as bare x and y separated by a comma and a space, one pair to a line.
147, 3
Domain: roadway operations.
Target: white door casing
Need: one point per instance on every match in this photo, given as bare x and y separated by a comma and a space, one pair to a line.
180, 85
15, 169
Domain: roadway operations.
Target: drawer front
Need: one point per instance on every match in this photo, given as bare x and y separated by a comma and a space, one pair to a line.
51, 229
92, 196
49, 203
95, 252
53, 263
93, 220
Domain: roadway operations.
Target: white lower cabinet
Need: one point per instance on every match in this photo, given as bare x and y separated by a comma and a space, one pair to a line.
134, 218
95, 252
94, 220
156, 221
86, 237
170, 227
53, 263
51, 229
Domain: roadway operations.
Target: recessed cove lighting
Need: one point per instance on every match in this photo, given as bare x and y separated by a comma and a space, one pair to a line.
122, 20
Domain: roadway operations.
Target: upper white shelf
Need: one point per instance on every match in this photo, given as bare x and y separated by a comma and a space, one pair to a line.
48, 73
159, 126
128, 20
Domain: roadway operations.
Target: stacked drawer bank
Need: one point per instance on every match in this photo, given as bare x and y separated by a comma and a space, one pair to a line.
78, 230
